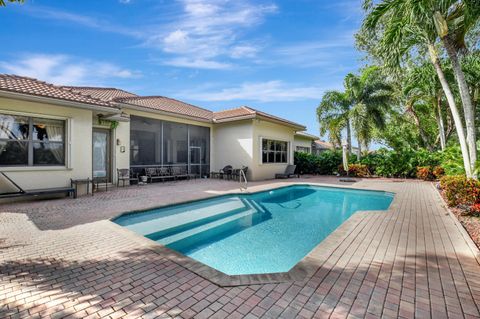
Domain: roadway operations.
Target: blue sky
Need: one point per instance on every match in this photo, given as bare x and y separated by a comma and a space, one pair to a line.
276, 56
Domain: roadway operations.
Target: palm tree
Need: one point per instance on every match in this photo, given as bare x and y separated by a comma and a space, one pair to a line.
371, 97
406, 28
453, 19
3, 4
333, 116
361, 107
421, 84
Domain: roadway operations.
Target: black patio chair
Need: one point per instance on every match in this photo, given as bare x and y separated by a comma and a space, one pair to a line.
289, 172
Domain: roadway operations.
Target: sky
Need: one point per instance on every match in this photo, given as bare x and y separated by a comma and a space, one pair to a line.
275, 56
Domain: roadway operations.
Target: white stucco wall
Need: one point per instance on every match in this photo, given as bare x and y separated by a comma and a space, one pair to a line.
268, 130
78, 143
232, 144
302, 141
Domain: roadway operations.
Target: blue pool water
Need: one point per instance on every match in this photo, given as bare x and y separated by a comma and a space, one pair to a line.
257, 233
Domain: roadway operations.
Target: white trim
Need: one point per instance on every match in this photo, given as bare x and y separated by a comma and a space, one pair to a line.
289, 145
30, 114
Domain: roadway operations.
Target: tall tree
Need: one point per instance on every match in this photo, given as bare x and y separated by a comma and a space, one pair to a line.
453, 20
333, 115
361, 107
405, 28
421, 85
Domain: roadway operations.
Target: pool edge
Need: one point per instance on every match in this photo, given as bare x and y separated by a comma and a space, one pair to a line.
303, 270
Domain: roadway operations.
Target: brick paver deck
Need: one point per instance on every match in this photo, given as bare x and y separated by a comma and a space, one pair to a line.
61, 258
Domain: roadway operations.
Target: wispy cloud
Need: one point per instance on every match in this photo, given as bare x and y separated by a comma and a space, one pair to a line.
83, 20
66, 70
208, 31
269, 91
203, 34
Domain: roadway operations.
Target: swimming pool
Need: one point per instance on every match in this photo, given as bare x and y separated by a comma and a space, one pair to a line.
265, 232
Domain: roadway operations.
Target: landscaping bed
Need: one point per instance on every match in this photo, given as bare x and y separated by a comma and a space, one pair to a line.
469, 222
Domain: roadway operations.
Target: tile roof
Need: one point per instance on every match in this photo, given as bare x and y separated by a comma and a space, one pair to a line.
305, 134
165, 104
34, 87
245, 112
104, 94
324, 145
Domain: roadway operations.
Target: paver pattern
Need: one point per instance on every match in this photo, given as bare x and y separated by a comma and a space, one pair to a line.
64, 258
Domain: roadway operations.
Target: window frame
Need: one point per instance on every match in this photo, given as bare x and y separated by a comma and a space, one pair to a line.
31, 141
275, 151
303, 149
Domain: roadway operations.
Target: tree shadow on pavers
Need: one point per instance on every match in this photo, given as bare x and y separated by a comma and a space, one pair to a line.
137, 281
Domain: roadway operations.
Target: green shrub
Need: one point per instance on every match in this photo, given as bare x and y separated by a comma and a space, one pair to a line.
460, 190
324, 164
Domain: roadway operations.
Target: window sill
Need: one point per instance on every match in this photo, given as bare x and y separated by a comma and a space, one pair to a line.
274, 164
33, 168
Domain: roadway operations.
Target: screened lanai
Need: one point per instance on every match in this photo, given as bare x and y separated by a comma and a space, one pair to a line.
157, 143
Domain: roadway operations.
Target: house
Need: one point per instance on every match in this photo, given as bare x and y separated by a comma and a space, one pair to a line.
303, 142
51, 133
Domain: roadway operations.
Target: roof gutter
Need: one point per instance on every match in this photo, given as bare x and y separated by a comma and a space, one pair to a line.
149, 110
60, 102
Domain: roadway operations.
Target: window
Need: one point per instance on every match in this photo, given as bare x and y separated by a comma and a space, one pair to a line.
274, 151
30, 141
303, 149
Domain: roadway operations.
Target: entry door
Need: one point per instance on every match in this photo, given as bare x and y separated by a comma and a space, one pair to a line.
196, 160
101, 154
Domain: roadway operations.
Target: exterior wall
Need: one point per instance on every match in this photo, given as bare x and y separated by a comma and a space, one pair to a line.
78, 144
264, 129
303, 142
232, 144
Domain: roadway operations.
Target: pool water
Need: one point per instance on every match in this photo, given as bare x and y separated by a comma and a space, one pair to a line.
264, 232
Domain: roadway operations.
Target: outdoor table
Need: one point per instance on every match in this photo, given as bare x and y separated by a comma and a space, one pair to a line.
97, 181
81, 181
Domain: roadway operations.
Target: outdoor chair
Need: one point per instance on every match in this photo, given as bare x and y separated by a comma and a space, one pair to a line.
124, 175
236, 172
289, 171
225, 172
165, 173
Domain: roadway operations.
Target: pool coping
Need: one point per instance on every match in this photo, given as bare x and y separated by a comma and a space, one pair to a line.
302, 271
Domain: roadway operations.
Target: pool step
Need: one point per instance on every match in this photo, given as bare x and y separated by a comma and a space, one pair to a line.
194, 231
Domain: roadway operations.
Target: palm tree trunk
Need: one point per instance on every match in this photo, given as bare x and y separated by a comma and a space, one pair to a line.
349, 137
423, 135
453, 108
468, 109
441, 125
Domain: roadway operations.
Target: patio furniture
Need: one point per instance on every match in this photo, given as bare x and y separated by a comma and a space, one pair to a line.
158, 173
236, 172
99, 182
180, 172
81, 181
224, 172
35, 192
289, 171
124, 175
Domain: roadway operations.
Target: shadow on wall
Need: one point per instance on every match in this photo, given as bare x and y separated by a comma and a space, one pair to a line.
141, 281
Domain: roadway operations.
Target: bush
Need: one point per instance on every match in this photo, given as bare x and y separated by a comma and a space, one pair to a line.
438, 172
474, 209
355, 170
404, 163
460, 190
425, 173
324, 164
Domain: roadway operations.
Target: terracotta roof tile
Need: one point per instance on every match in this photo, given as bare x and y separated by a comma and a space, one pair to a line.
31, 86
169, 105
244, 112
104, 94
